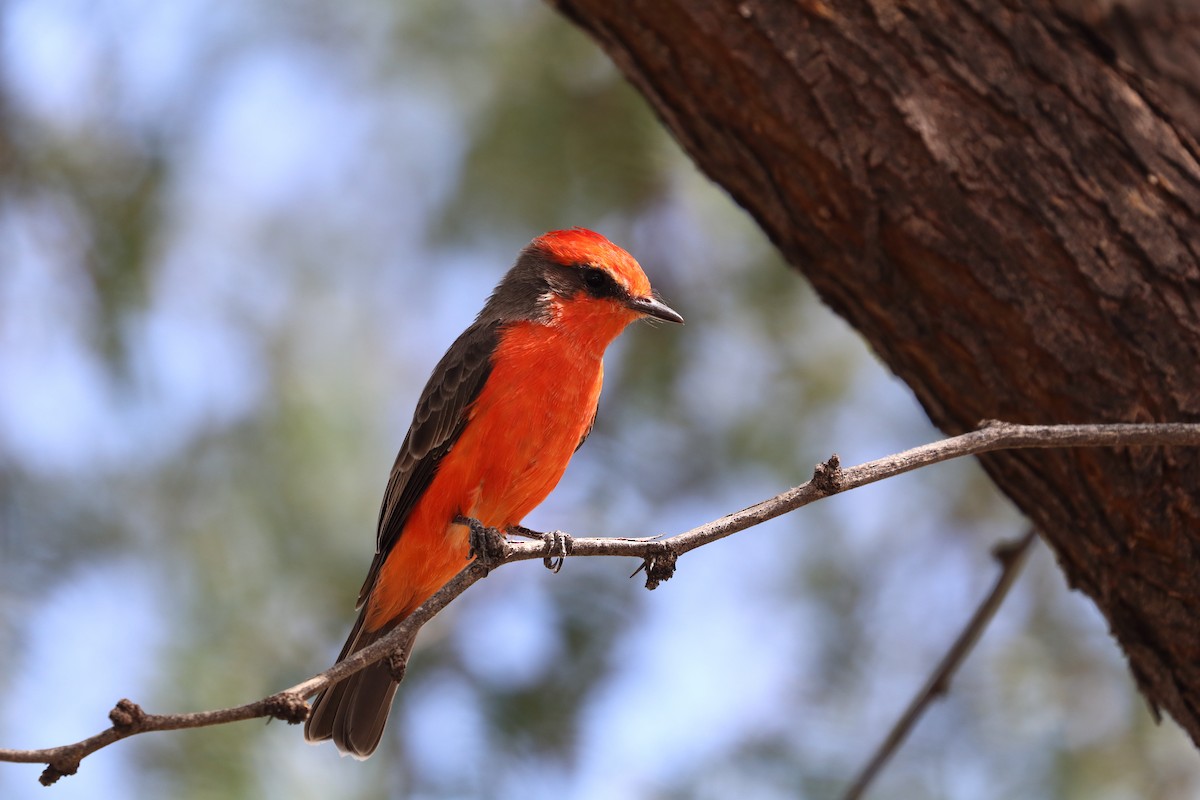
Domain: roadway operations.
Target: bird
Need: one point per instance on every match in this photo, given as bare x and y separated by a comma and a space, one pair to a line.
502, 414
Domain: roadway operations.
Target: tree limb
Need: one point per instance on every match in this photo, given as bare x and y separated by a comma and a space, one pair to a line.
289, 705
1011, 556
658, 555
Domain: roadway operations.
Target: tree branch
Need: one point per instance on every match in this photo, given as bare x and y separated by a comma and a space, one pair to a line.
289, 705
1011, 556
659, 556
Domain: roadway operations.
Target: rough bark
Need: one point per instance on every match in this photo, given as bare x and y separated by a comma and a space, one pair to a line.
1003, 198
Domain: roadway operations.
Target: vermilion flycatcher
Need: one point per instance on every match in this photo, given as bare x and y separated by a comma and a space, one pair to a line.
506, 407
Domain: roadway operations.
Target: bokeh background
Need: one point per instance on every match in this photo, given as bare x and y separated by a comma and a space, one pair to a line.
235, 238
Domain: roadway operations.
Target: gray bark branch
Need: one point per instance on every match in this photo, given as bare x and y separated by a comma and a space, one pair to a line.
658, 555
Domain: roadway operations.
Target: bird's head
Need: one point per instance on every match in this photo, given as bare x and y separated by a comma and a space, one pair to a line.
579, 281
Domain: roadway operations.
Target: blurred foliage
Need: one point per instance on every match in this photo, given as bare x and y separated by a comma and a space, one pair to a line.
597, 152
233, 241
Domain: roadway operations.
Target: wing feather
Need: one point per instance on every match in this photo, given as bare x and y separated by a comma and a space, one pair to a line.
438, 421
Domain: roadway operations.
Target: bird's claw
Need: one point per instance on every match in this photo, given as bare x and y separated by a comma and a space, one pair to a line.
558, 547
486, 544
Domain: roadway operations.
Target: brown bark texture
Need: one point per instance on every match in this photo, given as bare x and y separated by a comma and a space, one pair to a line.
1004, 199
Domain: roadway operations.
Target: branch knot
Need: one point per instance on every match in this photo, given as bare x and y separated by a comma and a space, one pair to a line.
127, 715
660, 567
287, 706
827, 476
59, 769
397, 664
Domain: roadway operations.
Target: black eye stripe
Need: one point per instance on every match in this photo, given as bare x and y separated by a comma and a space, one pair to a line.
598, 283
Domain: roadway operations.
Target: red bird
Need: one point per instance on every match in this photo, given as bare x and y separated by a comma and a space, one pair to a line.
506, 407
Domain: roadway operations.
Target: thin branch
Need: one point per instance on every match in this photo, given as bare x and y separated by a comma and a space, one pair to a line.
396, 637
1012, 556
829, 479
658, 557
289, 705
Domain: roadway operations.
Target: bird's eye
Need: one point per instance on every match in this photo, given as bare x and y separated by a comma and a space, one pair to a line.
599, 283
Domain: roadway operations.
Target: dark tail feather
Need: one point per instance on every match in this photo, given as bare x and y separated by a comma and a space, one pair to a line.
353, 712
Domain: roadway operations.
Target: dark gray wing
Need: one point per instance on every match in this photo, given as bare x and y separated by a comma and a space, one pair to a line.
437, 423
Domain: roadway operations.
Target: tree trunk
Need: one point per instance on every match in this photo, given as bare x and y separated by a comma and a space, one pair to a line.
1003, 199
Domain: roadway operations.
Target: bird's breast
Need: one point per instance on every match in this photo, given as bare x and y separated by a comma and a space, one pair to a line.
537, 405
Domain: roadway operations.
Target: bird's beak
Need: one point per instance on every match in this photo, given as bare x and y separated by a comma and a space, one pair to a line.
653, 307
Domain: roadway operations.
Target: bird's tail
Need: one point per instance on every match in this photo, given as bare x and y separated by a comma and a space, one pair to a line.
353, 711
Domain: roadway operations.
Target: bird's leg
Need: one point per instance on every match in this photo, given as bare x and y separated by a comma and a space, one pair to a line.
558, 545
521, 530
487, 544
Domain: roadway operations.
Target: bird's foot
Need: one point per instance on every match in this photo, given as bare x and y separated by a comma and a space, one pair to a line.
558, 545
486, 544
